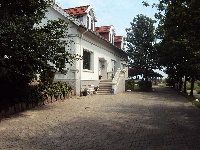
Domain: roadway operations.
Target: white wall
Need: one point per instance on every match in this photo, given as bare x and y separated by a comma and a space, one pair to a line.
98, 47
99, 50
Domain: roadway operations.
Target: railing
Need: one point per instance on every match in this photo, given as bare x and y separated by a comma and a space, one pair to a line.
118, 75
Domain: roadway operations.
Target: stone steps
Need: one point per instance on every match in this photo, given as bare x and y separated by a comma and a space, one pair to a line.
104, 87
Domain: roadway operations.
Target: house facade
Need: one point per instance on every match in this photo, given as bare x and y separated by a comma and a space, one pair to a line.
103, 57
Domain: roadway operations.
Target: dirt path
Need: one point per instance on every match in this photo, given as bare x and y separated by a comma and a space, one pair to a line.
133, 121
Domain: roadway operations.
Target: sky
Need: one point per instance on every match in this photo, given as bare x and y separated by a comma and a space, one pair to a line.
114, 12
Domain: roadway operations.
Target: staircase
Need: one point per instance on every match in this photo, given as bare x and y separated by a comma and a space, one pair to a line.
104, 87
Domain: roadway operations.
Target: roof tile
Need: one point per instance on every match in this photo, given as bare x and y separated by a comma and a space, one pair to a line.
102, 29
118, 38
79, 11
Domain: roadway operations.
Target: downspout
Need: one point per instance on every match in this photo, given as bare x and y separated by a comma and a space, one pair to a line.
81, 38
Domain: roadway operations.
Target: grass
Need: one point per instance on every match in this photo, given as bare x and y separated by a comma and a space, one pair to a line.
136, 88
162, 84
192, 98
189, 98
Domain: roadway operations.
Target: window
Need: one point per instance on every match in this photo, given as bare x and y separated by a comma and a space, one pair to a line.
81, 19
86, 60
113, 65
88, 22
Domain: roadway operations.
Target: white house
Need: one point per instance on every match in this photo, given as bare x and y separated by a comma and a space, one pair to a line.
102, 58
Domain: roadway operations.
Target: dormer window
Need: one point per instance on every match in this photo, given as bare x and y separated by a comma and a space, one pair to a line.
85, 14
81, 19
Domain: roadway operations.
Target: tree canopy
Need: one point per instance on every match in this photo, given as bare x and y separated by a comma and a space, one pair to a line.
178, 31
140, 39
26, 47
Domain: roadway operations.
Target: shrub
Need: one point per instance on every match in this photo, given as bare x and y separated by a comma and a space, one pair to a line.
170, 82
33, 93
198, 91
188, 86
145, 85
129, 85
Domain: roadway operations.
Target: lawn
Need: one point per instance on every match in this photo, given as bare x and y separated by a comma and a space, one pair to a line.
193, 99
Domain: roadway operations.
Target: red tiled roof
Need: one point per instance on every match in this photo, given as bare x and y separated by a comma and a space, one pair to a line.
79, 11
102, 29
106, 28
118, 38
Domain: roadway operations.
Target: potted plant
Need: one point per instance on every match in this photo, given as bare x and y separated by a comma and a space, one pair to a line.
100, 77
95, 89
84, 92
112, 91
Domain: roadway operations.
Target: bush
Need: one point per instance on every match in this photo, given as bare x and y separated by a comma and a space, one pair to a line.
170, 82
56, 89
34, 93
198, 91
129, 85
188, 86
145, 85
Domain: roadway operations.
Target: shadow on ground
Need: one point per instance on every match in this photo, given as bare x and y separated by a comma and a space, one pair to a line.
142, 125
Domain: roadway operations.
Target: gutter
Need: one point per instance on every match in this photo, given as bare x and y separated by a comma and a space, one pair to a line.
81, 38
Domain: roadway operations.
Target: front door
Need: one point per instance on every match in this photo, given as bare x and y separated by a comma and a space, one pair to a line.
102, 69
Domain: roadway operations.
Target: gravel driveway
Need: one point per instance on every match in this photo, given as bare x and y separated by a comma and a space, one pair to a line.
160, 120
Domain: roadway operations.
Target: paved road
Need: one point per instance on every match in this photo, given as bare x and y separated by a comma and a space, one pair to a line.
160, 120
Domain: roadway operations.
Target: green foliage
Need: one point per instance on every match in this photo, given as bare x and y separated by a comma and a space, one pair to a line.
47, 77
191, 98
57, 88
65, 88
26, 48
178, 49
145, 85
36, 93
170, 82
129, 85
188, 86
84, 92
162, 84
140, 39
32, 94
198, 82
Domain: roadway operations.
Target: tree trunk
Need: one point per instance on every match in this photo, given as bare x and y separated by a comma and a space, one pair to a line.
185, 82
180, 83
192, 86
155, 80
146, 74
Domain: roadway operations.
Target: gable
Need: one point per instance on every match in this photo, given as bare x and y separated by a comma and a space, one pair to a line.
81, 11
108, 37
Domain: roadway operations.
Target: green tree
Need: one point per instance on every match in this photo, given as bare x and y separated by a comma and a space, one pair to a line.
26, 47
140, 39
179, 39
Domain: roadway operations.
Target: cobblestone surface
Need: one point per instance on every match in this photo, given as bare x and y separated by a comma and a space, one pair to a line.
160, 120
